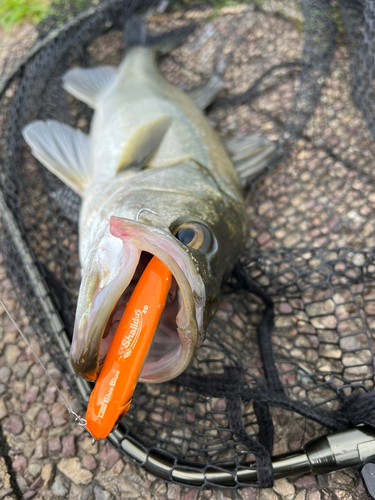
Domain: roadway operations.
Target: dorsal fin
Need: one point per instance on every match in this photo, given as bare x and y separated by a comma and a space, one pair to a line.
250, 155
143, 144
62, 149
87, 84
135, 35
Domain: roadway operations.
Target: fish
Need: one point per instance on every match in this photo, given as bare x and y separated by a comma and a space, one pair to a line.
155, 180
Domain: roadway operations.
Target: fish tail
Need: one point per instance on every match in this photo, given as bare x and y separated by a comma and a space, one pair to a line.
135, 34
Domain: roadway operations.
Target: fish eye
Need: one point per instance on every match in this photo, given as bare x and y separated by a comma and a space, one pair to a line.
194, 235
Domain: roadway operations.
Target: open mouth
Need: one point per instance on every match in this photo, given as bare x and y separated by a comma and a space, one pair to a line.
112, 269
166, 345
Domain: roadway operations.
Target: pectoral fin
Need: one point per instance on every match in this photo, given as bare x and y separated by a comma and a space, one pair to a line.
250, 155
62, 149
87, 84
205, 95
143, 144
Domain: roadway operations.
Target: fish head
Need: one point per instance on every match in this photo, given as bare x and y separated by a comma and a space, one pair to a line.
180, 215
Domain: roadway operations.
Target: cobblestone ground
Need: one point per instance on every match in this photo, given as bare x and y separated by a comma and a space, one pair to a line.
44, 455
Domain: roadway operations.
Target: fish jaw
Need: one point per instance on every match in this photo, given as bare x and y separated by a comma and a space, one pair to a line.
108, 272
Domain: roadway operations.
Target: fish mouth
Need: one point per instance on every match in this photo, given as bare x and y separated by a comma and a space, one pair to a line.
100, 308
166, 345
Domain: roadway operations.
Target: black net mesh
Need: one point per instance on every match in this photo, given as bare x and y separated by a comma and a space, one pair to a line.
293, 339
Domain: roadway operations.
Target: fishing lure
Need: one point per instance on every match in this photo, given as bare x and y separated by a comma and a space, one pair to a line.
113, 391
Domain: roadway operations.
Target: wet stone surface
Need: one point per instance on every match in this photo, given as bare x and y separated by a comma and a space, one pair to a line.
315, 335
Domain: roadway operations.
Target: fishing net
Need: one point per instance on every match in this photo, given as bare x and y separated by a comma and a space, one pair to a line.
290, 352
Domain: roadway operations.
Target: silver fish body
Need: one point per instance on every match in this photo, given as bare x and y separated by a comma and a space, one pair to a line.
152, 174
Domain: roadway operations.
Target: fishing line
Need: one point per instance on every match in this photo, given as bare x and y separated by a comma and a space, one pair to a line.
81, 422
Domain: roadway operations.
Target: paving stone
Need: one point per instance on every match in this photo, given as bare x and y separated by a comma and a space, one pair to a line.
342, 494
50, 395
19, 387
47, 474
29, 494
3, 409
13, 424
37, 483
54, 445
72, 469
68, 446
88, 447
78, 431
5, 373
118, 467
58, 488
44, 419
4, 492
160, 489
285, 308
24, 407
11, 354
109, 455
268, 494
174, 492
328, 496
246, 493
59, 416
101, 494
88, 493
307, 481
28, 448
22, 368
339, 478
32, 413
313, 495
19, 464
4, 475
31, 394
193, 494
284, 488
129, 490
22, 483
361, 490
89, 462
35, 468
40, 448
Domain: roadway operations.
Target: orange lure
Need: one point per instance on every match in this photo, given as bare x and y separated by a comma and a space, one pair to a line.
111, 396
